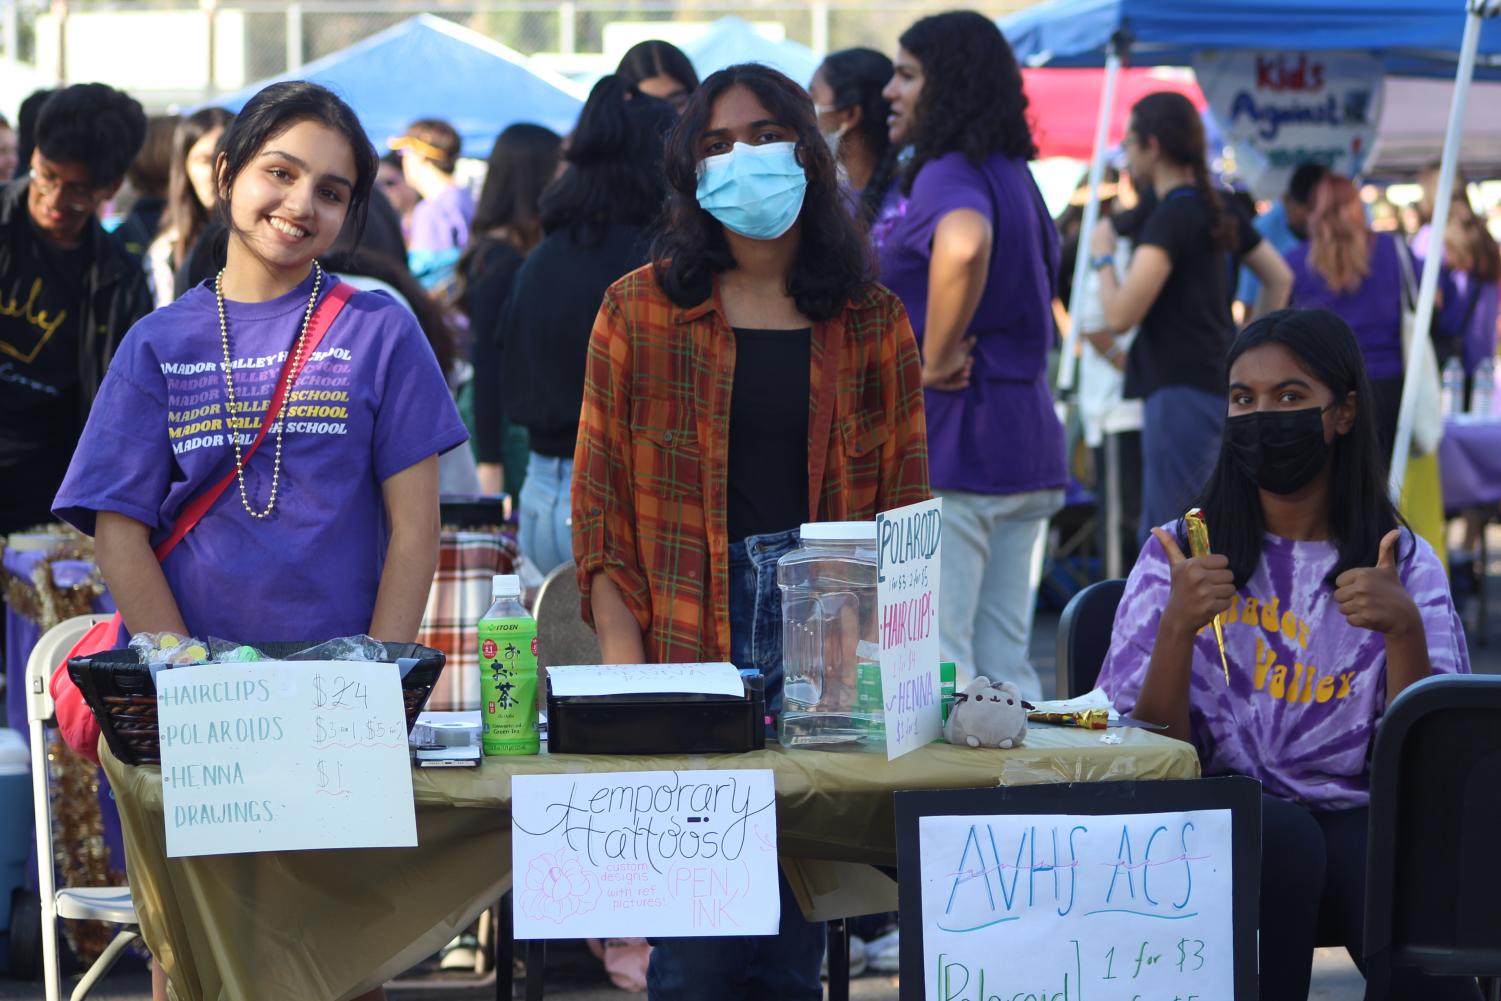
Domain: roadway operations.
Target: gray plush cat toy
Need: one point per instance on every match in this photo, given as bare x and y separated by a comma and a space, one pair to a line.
986, 715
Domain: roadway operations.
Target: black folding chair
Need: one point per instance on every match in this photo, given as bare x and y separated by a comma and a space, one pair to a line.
1433, 875
1084, 636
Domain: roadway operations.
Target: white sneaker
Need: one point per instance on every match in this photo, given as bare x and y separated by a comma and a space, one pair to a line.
858, 958
884, 954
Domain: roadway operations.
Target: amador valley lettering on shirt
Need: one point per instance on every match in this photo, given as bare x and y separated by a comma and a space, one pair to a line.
1306, 687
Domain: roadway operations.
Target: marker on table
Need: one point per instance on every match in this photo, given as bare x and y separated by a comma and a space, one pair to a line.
1198, 545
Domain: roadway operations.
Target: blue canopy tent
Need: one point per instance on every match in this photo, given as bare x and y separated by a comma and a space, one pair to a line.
427, 67
1411, 39
731, 40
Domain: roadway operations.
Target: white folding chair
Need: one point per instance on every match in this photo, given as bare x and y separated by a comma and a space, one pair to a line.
91, 903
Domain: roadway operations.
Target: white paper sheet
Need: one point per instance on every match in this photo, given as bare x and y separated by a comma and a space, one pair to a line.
1054, 906
657, 854
284, 756
646, 679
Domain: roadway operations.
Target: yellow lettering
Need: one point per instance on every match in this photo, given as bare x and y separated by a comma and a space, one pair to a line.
1266, 659
1326, 690
1269, 615
1278, 687
1309, 674
1344, 684
1303, 634
37, 318
1289, 626
1248, 614
1297, 685
1234, 614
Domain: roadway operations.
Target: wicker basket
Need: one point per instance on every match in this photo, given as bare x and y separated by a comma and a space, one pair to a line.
118, 688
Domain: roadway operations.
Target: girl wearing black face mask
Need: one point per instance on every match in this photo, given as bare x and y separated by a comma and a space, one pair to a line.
1329, 608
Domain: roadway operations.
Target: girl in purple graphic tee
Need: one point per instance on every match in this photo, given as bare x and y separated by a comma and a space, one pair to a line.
331, 527
1329, 608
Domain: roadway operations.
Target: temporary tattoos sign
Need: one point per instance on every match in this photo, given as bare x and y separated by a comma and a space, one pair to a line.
631, 854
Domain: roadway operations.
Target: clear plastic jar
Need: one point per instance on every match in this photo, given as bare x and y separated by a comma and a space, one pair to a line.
829, 627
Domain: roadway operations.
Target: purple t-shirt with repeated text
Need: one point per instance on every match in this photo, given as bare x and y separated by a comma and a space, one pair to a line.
999, 435
1306, 688
370, 403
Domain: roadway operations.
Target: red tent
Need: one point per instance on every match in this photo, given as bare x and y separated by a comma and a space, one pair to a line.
1064, 104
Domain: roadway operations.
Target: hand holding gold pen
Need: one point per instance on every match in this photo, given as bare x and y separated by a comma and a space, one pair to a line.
1208, 586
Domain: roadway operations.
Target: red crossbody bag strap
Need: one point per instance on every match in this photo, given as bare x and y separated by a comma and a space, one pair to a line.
323, 317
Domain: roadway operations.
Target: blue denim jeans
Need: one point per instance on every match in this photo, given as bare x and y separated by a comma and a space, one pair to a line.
748, 968
756, 609
781, 967
1180, 440
546, 531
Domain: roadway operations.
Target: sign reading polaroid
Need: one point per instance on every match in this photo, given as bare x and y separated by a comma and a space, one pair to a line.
1280, 109
910, 541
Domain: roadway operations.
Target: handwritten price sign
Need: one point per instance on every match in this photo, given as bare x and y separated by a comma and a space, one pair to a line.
910, 541
1078, 906
659, 854
282, 756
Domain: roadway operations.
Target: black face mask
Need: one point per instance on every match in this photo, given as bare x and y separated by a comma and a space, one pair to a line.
1281, 451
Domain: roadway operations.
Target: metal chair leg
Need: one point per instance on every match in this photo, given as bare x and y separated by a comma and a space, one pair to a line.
505, 951
105, 962
52, 986
839, 960
536, 969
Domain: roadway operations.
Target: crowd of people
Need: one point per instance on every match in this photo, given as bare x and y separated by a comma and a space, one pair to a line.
717, 310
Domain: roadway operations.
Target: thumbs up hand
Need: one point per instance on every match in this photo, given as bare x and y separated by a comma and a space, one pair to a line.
1373, 597
1202, 587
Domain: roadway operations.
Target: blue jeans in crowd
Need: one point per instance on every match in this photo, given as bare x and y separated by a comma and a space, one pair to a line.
1180, 440
785, 966
546, 531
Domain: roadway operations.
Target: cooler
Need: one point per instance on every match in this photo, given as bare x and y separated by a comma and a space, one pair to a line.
17, 834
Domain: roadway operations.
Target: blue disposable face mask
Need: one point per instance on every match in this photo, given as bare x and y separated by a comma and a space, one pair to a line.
756, 191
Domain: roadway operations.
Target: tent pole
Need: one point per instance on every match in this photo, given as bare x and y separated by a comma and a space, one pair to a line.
1091, 215
1428, 287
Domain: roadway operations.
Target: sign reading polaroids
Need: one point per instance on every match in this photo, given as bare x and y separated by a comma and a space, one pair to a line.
909, 543
630, 854
1280, 109
1109, 891
284, 756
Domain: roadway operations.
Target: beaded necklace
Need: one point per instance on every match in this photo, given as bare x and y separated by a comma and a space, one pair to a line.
229, 389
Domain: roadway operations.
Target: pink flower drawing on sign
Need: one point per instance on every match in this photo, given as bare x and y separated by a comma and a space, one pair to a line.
558, 887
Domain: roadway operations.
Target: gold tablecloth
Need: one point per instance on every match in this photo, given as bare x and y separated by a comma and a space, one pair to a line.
327, 925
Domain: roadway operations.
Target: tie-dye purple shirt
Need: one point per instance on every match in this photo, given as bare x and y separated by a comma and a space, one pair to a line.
1306, 687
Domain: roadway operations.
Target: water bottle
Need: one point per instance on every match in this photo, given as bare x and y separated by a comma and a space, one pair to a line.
508, 672
1453, 388
1484, 389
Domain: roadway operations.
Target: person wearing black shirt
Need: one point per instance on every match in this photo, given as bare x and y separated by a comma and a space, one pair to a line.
594, 217
68, 291
1177, 294
507, 225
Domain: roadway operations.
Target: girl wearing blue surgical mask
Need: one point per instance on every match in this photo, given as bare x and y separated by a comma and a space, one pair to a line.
753, 378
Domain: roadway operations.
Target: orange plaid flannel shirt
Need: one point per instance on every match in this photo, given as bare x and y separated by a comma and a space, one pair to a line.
650, 468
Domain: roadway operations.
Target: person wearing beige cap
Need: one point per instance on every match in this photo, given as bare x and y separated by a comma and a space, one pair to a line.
429, 152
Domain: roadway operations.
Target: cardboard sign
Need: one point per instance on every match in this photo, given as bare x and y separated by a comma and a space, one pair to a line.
630, 854
1110, 899
1279, 109
909, 544
284, 756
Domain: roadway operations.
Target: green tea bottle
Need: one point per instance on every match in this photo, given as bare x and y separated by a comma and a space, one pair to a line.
508, 672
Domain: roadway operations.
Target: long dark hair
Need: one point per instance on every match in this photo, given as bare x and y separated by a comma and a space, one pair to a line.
972, 101
274, 110
655, 57
690, 249
1360, 512
440, 333
521, 165
184, 213
1172, 120
614, 174
856, 77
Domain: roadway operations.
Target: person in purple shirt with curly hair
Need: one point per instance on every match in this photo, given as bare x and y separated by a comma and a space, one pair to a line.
1329, 608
